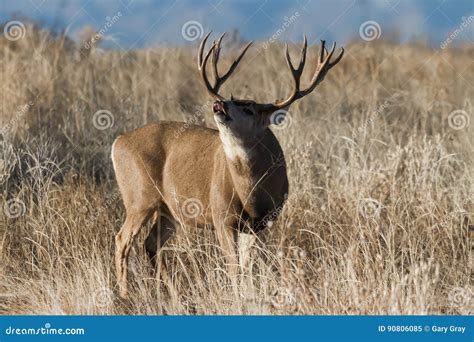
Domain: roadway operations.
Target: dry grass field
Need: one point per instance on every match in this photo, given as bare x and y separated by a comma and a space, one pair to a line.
381, 170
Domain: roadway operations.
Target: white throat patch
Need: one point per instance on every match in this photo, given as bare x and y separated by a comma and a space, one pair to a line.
233, 147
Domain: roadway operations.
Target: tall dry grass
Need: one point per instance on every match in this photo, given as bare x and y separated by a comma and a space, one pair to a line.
381, 192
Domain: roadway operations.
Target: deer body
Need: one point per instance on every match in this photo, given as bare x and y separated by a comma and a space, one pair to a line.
158, 172
156, 169
235, 176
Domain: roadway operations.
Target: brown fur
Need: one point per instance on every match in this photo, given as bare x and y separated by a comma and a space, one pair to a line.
157, 169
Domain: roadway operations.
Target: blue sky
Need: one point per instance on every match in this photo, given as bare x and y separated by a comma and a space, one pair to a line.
147, 23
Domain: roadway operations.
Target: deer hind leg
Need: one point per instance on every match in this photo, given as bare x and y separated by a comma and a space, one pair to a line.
123, 242
151, 241
162, 230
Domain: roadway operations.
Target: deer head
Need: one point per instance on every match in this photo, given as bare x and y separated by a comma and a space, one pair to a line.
245, 120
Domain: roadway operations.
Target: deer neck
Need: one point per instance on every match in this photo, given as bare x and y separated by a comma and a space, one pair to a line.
245, 163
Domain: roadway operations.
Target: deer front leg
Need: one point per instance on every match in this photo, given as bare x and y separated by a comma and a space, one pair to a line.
245, 243
227, 237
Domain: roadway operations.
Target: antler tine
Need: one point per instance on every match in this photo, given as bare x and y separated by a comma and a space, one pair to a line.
215, 51
201, 49
321, 69
215, 57
296, 72
288, 59
202, 63
333, 48
229, 72
303, 55
322, 52
338, 58
324, 64
290, 66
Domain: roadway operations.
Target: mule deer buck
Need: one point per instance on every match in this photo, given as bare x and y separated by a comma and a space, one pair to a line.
236, 174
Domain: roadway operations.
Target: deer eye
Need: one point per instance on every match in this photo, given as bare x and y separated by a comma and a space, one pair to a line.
247, 111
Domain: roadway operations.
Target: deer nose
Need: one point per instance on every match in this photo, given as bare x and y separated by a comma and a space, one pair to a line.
218, 106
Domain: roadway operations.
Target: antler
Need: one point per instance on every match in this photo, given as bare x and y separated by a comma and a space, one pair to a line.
215, 51
323, 66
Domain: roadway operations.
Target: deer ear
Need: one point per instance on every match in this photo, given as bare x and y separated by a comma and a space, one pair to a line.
273, 115
266, 114
265, 109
